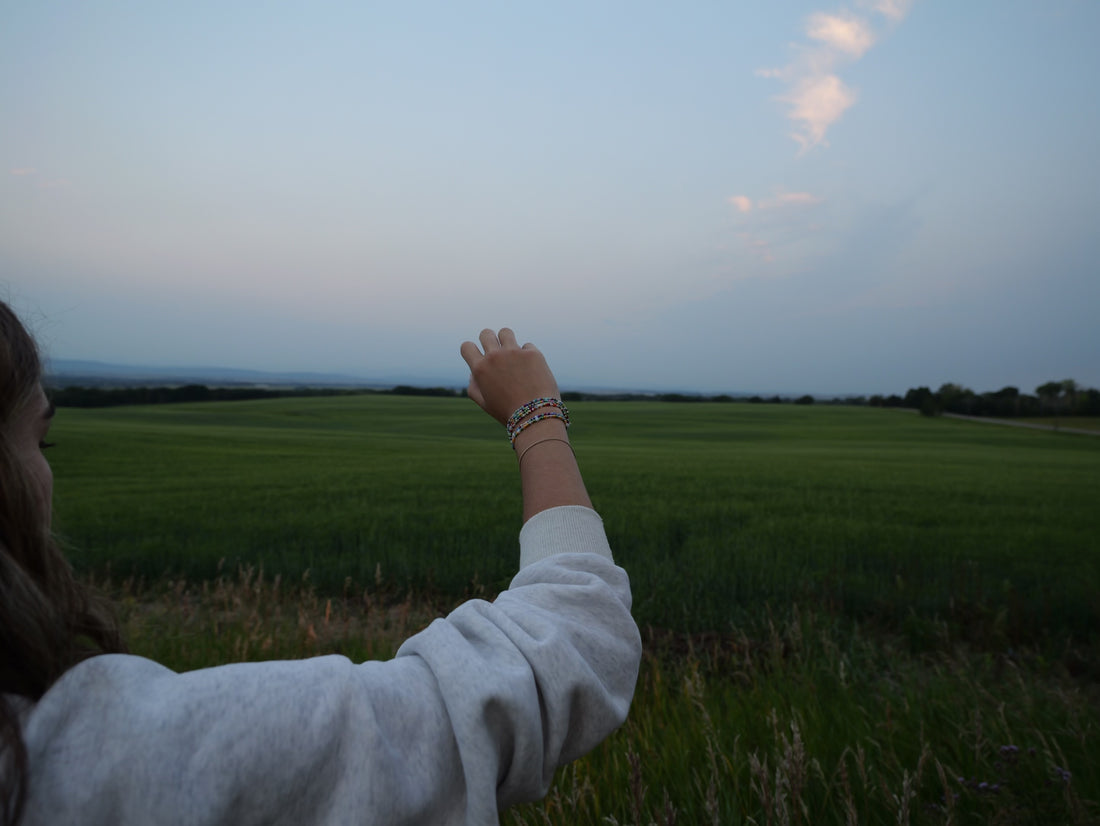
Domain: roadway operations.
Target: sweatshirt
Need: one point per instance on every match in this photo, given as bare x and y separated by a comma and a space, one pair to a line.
472, 715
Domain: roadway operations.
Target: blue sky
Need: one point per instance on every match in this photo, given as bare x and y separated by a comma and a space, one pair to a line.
851, 197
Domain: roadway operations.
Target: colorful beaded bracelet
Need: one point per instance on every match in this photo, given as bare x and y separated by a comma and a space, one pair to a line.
522, 426
531, 407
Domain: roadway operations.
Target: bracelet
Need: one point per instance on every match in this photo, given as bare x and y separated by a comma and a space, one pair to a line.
516, 423
522, 426
542, 442
531, 407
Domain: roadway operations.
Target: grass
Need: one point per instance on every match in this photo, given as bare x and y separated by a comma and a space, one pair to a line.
799, 719
852, 615
717, 510
1077, 422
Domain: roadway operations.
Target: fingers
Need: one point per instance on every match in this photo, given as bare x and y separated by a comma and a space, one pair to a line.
489, 341
475, 394
470, 353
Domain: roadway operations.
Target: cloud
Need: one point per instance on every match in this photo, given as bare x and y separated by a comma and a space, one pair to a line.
845, 33
816, 96
816, 104
895, 10
745, 204
790, 199
758, 246
22, 171
742, 203
772, 230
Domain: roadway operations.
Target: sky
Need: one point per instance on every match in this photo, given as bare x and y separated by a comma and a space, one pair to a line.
833, 198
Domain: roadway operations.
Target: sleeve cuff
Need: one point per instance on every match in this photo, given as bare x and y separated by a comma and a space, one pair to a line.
565, 529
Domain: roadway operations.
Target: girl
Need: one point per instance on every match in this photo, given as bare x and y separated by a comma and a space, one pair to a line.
472, 715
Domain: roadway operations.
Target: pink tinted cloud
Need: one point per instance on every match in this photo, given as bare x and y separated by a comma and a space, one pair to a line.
742, 203
22, 171
895, 10
816, 103
846, 33
816, 96
782, 199
766, 224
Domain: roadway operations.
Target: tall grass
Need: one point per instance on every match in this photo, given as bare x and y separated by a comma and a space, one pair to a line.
799, 719
809, 724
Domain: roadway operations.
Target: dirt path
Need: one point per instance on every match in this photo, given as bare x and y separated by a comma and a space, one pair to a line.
1011, 422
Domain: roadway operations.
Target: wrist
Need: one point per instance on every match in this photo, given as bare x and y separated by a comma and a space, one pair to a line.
552, 428
535, 412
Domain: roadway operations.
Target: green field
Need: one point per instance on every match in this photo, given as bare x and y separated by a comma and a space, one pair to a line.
850, 613
1073, 422
717, 510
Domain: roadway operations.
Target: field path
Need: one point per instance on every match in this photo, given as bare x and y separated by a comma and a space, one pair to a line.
1032, 425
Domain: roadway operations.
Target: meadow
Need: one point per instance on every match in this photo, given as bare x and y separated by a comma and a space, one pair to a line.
851, 614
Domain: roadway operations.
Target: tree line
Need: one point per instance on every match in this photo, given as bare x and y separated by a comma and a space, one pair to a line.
1053, 398
78, 396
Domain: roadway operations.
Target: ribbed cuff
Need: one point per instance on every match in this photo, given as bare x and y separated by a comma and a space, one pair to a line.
561, 530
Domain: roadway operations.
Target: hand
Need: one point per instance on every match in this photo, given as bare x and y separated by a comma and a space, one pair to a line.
506, 375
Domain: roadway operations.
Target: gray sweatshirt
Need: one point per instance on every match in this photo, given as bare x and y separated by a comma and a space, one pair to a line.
473, 714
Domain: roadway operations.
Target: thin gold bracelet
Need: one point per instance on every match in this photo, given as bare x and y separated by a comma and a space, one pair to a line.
542, 442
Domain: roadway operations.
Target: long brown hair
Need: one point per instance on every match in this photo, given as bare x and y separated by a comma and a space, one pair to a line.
48, 620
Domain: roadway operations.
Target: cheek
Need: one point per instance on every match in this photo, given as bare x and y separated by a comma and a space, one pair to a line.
42, 479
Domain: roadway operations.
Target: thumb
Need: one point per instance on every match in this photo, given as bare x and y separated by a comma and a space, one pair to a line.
474, 392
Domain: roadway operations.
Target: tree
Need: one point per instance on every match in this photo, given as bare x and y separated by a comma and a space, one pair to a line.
922, 399
1069, 394
1048, 394
955, 398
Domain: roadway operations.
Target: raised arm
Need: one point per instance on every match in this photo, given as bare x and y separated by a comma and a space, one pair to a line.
503, 378
473, 714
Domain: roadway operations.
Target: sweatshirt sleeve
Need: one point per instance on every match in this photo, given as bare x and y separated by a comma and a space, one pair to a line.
473, 714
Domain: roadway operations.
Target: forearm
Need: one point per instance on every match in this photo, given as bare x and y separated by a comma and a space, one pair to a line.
548, 469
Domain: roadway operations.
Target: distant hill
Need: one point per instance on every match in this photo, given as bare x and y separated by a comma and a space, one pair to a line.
75, 372
99, 374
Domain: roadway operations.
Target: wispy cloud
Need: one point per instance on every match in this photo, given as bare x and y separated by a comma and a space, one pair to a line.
846, 33
767, 223
745, 204
742, 203
790, 199
22, 171
757, 246
816, 96
892, 9
816, 103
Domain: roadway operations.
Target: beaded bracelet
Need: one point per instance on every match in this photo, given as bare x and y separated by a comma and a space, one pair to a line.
531, 407
522, 426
